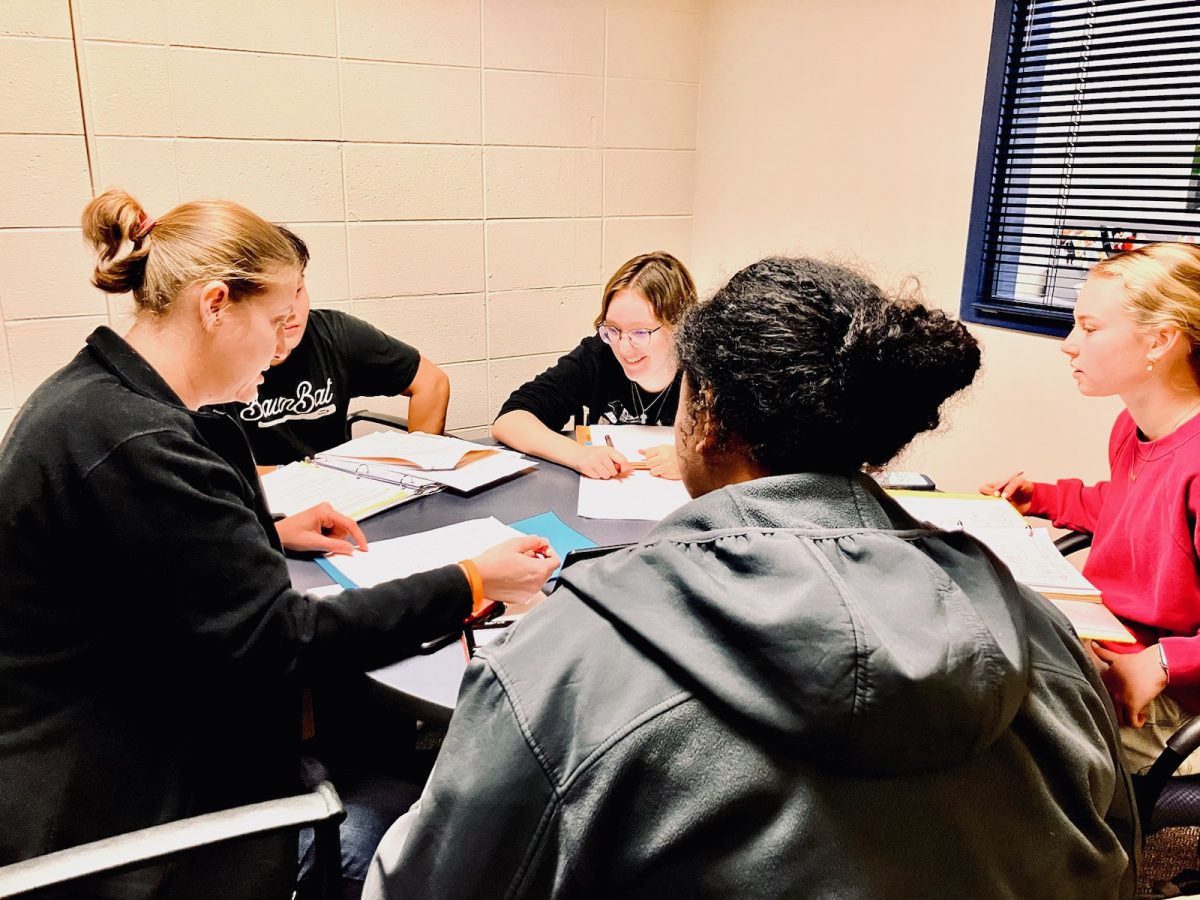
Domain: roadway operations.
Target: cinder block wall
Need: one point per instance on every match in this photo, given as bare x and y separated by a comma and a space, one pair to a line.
466, 172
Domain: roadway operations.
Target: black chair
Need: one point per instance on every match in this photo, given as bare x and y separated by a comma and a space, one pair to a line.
320, 809
1163, 800
377, 418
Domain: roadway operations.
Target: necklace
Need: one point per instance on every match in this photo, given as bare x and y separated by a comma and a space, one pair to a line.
641, 409
1154, 454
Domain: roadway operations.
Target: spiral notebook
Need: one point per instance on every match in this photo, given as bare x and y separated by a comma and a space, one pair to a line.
299, 485
448, 461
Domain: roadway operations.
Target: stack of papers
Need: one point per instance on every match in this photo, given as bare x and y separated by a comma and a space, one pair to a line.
1028, 552
380, 470
448, 461
413, 450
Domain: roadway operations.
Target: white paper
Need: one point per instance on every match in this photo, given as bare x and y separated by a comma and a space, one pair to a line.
1093, 621
1034, 560
424, 451
435, 454
636, 496
325, 590
1028, 552
631, 440
299, 485
435, 677
957, 513
480, 472
403, 556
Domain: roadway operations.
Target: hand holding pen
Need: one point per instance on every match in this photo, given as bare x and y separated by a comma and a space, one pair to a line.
1016, 489
515, 570
600, 461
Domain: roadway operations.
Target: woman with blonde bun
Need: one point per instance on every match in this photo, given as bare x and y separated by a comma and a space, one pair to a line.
152, 650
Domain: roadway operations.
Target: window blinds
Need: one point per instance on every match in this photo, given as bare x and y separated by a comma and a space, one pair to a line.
1089, 145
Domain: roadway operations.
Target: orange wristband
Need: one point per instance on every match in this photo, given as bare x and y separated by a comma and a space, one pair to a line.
476, 581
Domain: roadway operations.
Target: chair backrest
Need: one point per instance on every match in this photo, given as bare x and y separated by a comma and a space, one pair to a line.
375, 418
214, 834
1163, 800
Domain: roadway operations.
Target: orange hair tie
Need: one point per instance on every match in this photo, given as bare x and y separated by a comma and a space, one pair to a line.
144, 226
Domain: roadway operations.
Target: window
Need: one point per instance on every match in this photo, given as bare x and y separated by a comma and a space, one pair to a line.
1089, 144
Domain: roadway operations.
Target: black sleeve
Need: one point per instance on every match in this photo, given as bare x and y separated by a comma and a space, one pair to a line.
558, 393
376, 363
211, 581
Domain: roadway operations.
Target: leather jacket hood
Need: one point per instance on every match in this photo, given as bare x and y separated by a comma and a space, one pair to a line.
862, 640
789, 689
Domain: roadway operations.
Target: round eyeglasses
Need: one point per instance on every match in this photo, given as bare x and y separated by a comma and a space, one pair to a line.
638, 337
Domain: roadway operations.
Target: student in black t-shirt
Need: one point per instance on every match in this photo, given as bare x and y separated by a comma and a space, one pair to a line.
624, 374
330, 357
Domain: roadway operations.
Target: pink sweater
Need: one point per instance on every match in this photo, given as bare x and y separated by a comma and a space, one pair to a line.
1146, 543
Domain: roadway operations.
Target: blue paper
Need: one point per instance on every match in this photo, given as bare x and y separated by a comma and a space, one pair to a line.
336, 574
562, 537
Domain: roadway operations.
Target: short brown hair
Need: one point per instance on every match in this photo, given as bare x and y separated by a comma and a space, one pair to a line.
209, 240
659, 277
298, 245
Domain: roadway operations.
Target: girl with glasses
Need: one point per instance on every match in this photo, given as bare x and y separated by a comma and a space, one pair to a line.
1137, 336
624, 374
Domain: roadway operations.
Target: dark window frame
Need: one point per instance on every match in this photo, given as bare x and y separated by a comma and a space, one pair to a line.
986, 298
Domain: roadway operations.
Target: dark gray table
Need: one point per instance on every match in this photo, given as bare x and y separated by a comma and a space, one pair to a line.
547, 488
426, 686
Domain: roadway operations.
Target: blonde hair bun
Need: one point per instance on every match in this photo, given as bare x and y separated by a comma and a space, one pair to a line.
206, 240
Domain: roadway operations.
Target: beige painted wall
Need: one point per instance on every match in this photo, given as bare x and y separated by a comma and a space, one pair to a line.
849, 130
467, 172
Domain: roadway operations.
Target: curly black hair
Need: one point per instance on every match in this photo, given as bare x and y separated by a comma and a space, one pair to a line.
815, 369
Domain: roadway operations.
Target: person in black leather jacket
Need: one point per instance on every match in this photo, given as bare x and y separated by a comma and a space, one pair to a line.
789, 688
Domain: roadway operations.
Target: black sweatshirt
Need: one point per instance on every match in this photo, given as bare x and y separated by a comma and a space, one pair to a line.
589, 384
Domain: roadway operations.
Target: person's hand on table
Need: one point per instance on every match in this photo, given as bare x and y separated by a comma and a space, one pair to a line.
1133, 680
514, 571
323, 529
662, 461
1016, 489
599, 461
